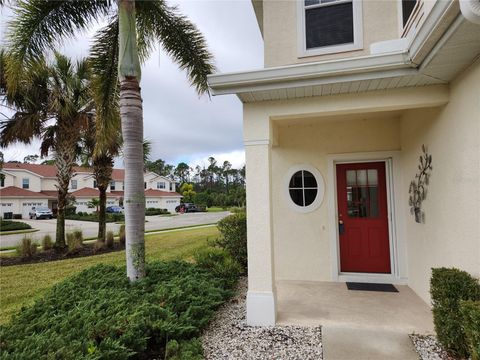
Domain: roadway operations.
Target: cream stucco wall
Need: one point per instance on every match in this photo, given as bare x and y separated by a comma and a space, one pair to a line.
451, 233
301, 241
380, 23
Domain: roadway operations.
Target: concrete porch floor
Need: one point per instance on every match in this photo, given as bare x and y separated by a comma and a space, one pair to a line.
331, 304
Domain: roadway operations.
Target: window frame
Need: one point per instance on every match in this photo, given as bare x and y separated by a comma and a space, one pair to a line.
112, 188
27, 183
72, 186
159, 187
320, 188
357, 44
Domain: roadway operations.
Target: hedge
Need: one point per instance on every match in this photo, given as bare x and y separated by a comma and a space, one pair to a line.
234, 237
7, 225
448, 287
470, 311
100, 314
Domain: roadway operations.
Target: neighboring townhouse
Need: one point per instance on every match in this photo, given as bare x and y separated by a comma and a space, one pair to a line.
333, 131
28, 185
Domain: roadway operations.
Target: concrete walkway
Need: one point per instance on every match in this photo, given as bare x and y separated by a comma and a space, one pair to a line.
356, 325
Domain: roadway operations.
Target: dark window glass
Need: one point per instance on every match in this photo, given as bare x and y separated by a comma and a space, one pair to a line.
296, 180
303, 188
297, 196
309, 180
407, 9
329, 25
310, 195
362, 193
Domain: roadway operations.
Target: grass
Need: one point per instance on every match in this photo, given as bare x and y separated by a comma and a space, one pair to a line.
20, 285
13, 232
216, 209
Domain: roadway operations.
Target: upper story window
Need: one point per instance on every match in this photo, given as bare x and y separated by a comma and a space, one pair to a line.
171, 186
330, 26
407, 9
2, 180
74, 184
25, 183
94, 184
112, 185
161, 185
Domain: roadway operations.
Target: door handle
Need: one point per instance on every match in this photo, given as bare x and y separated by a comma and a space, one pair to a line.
341, 227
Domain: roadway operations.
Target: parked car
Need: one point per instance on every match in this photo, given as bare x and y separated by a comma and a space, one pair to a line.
40, 212
114, 210
186, 208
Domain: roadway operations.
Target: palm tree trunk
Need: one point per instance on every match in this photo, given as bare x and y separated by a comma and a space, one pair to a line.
131, 114
102, 216
64, 161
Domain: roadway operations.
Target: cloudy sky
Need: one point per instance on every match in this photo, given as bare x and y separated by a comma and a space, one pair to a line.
180, 125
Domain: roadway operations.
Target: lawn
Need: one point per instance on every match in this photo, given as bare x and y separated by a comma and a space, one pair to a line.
20, 285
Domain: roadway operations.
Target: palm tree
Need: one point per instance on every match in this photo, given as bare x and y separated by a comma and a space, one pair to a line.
133, 31
57, 93
99, 154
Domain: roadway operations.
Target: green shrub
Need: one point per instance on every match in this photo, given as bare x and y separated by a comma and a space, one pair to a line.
184, 350
448, 287
236, 209
100, 314
155, 211
220, 264
47, 243
234, 237
74, 241
78, 234
8, 225
121, 234
470, 311
27, 248
109, 239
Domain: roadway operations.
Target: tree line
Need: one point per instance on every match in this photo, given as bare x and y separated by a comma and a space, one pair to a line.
212, 184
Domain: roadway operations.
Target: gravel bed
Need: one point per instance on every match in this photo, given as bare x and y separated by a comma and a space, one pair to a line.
428, 348
228, 336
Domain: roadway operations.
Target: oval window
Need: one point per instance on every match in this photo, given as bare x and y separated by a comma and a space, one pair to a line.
304, 188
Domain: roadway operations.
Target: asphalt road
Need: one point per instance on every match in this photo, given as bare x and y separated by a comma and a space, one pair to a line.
91, 228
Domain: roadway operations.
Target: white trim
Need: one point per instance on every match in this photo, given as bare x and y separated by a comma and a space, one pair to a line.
357, 31
256, 142
261, 308
224, 83
397, 251
320, 188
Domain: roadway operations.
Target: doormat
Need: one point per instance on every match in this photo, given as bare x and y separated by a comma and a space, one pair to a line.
371, 287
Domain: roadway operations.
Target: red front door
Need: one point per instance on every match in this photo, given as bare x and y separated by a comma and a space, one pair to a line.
362, 218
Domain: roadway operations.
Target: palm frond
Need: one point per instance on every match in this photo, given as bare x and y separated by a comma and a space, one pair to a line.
179, 37
39, 25
104, 66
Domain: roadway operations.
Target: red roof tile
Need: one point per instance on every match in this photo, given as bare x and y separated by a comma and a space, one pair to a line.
13, 191
51, 170
159, 193
90, 192
42, 170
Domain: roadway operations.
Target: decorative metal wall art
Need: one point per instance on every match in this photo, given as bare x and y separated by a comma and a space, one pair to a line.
418, 186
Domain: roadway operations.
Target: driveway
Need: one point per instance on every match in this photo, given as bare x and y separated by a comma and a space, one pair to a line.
90, 229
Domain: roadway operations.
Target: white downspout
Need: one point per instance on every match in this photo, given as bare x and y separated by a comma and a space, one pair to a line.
471, 10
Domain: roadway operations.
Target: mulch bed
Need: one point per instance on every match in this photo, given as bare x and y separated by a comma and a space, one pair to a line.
53, 255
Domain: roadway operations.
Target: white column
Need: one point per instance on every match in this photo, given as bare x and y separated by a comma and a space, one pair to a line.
261, 307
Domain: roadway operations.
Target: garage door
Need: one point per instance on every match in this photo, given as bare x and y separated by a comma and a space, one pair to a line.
6, 207
27, 207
